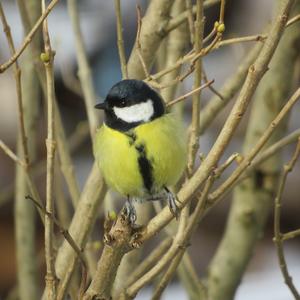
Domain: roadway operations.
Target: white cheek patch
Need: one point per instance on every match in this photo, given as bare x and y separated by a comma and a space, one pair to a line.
141, 112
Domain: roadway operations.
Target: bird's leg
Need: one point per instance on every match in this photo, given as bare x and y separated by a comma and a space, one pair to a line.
171, 198
130, 210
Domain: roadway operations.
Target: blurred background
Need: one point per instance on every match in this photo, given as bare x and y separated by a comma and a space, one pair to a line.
263, 279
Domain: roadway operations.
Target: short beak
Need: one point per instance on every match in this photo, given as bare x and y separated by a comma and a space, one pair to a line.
101, 105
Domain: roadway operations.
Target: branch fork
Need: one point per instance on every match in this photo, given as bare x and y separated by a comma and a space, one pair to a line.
120, 238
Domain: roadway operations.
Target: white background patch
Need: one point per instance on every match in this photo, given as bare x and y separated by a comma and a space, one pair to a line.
141, 112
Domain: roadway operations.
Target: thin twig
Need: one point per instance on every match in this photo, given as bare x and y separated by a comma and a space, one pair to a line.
120, 39
226, 164
267, 153
78, 136
11, 154
194, 132
222, 11
173, 48
183, 97
48, 57
293, 20
29, 37
220, 191
149, 261
200, 207
228, 90
17, 75
84, 71
88, 205
290, 235
167, 277
138, 40
179, 19
217, 44
62, 230
190, 57
249, 38
190, 17
67, 237
212, 89
150, 37
277, 216
209, 36
65, 159
187, 272
69, 79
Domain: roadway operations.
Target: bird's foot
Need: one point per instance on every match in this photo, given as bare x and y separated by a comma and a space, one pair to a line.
130, 211
171, 198
135, 241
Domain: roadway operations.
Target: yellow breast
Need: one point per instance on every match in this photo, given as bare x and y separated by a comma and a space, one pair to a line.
118, 155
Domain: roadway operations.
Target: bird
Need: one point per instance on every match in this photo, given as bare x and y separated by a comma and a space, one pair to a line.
141, 147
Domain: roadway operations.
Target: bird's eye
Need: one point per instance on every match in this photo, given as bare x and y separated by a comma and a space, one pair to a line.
122, 103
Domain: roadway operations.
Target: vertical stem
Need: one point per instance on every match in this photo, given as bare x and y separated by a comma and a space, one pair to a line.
176, 44
222, 11
120, 39
24, 211
157, 16
277, 216
195, 125
17, 74
188, 4
84, 71
80, 227
48, 57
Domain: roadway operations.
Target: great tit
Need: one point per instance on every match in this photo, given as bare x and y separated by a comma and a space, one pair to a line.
140, 148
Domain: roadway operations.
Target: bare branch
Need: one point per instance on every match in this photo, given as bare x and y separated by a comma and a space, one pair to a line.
183, 97
167, 276
81, 224
11, 154
178, 20
278, 239
190, 18
47, 58
150, 37
29, 37
194, 132
120, 39
228, 90
17, 74
254, 151
290, 235
222, 11
84, 71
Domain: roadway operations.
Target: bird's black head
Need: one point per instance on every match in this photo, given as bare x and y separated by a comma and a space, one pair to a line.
130, 103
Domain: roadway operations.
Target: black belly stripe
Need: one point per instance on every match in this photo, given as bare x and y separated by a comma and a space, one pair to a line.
131, 137
145, 167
